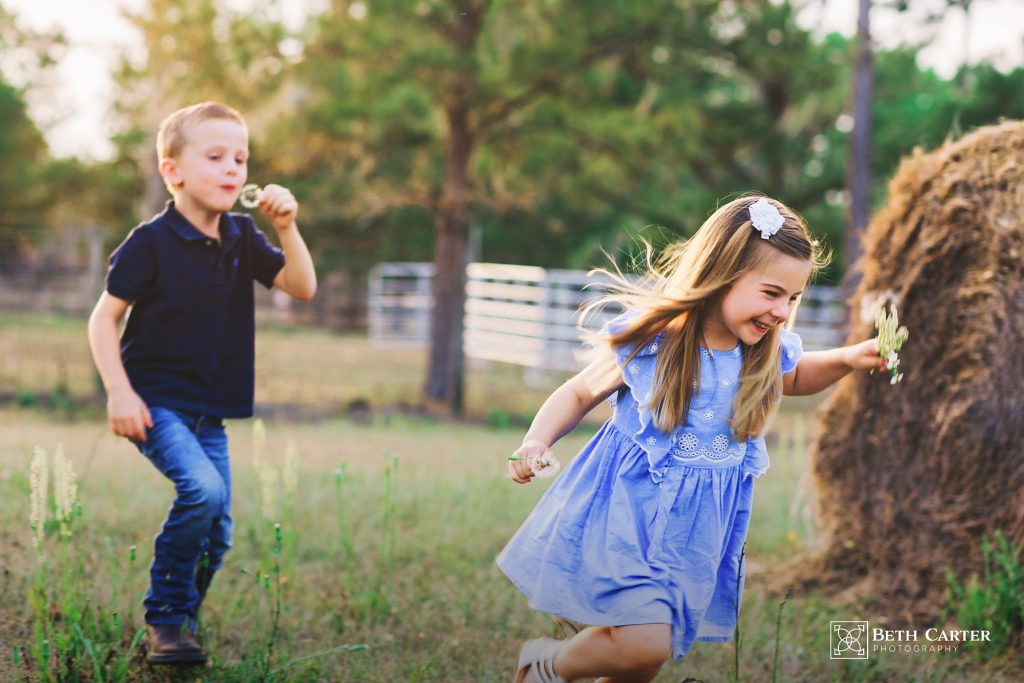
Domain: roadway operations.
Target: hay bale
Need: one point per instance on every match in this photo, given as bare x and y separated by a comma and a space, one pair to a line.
910, 476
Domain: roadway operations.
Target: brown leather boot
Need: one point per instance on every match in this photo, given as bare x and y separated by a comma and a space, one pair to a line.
172, 644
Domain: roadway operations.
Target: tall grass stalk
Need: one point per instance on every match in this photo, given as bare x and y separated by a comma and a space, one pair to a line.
344, 519
737, 634
320, 655
390, 522
993, 601
72, 633
778, 632
290, 479
275, 612
268, 583
276, 616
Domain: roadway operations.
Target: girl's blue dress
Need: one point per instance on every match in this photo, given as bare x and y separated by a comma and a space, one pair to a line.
647, 527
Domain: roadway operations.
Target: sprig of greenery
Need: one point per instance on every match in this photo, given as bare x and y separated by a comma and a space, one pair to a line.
891, 336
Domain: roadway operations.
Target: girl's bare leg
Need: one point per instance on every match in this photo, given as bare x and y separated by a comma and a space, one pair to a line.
623, 654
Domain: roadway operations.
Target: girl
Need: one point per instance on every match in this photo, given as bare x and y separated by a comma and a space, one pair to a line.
643, 534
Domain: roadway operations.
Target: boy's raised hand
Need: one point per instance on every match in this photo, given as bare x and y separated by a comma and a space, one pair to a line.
519, 464
279, 205
128, 415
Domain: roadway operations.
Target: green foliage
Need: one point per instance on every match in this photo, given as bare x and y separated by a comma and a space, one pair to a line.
993, 601
101, 195
26, 398
592, 122
23, 159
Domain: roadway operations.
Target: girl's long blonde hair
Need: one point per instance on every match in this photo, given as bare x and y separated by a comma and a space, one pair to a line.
682, 287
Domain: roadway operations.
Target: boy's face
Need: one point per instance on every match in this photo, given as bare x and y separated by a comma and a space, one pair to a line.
759, 300
212, 166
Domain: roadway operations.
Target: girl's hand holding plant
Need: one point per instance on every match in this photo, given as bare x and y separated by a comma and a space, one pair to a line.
891, 336
533, 458
864, 356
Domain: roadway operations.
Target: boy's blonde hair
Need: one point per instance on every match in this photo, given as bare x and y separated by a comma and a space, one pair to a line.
173, 133
682, 288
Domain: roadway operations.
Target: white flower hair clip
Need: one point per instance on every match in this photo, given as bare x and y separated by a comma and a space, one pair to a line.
765, 218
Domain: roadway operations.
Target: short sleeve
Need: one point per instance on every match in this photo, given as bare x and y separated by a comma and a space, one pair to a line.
267, 260
623, 353
133, 267
619, 324
792, 349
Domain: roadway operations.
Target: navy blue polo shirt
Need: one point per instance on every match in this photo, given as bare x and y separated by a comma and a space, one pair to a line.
189, 341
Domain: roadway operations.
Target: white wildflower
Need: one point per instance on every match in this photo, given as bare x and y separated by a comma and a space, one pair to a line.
39, 475
891, 336
65, 491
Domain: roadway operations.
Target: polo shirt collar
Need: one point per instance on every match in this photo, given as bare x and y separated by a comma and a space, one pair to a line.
229, 230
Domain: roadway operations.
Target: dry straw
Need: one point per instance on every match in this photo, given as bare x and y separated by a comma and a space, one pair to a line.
909, 480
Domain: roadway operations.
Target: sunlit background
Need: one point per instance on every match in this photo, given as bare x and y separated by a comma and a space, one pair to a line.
72, 109
592, 128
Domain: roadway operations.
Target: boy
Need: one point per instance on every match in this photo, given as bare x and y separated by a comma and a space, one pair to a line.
186, 359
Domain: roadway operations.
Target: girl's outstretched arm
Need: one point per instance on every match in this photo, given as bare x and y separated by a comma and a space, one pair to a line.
818, 370
563, 410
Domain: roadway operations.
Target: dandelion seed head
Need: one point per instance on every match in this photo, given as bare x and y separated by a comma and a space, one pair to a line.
251, 196
544, 466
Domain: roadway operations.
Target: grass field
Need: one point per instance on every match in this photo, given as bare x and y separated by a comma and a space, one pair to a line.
313, 372
384, 570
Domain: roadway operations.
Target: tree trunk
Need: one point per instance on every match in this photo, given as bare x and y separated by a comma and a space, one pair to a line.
445, 375
860, 147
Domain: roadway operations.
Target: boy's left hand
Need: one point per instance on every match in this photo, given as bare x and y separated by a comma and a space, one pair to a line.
280, 206
864, 356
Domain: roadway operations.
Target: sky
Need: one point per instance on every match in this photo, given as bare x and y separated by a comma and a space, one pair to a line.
72, 111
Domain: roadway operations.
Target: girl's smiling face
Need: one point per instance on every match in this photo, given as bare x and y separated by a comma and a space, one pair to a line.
759, 300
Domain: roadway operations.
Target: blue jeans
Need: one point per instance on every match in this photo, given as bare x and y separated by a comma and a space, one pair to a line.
191, 451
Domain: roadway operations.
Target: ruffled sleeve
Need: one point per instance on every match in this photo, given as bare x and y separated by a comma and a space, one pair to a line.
638, 370
792, 349
756, 461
